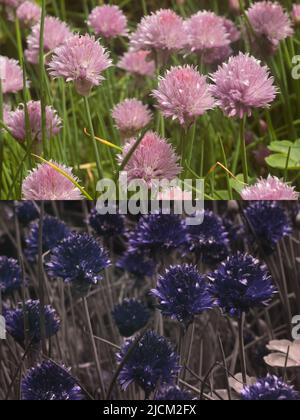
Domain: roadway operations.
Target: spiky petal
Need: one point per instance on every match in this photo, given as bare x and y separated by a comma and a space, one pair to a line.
131, 116
270, 388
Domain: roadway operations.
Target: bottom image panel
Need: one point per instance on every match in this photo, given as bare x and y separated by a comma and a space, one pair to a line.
154, 307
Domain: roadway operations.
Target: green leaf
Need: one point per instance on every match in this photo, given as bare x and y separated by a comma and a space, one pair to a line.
281, 149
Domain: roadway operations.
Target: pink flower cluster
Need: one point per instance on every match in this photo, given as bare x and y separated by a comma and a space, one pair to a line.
183, 94
11, 75
243, 84
16, 122
56, 33
131, 116
138, 63
108, 21
46, 183
29, 13
270, 189
81, 59
154, 159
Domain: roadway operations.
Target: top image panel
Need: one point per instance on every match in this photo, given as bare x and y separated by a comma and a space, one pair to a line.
181, 100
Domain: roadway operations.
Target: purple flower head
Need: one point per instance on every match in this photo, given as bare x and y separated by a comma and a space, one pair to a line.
46, 183
138, 63
240, 284
137, 263
107, 225
130, 317
270, 189
16, 122
11, 75
50, 382
243, 84
160, 31
81, 59
56, 33
182, 294
29, 13
208, 240
10, 275
158, 233
183, 94
54, 231
131, 116
269, 224
108, 21
270, 23
174, 393
15, 322
26, 211
153, 362
207, 35
79, 260
270, 388
153, 160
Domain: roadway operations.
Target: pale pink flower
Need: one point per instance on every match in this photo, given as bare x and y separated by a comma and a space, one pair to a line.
131, 116
207, 36
233, 32
270, 22
183, 94
234, 6
11, 3
270, 189
153, 160
138, 63
46, 183
243, 84
29, 13
6, 111
296, 14
11, 75
160, 31
56, 33
80, 60
108, 21
16, 122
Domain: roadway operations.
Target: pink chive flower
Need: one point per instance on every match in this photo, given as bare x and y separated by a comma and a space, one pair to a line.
131, 116
243, 84
270, 189
183, 94
56, 34
154, 159
11, 3
46, 183
138, 63
16, 122
296, 14
6, 111
207, 36
234, 6
108, 21
29, 13
233, 32
160, 31
11, 75
270, 22
80, 60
